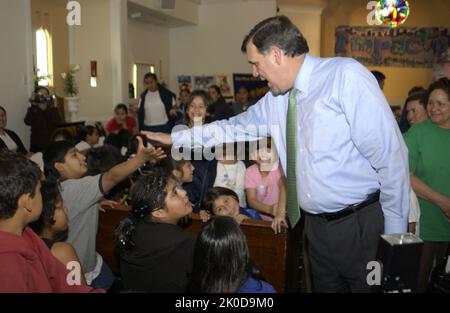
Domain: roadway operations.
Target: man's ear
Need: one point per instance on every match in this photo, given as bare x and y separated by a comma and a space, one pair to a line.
277, 54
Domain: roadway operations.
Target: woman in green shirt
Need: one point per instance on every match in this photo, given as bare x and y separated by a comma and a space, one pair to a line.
429, 161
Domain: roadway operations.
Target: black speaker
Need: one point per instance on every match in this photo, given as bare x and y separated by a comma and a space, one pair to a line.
167, 4
400, 258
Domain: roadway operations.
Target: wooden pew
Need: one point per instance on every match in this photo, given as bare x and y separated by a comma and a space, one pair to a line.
107, 223
276, 256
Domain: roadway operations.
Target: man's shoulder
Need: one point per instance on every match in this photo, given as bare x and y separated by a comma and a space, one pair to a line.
337, 63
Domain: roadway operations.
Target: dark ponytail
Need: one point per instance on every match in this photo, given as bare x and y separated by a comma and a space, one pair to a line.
123, 235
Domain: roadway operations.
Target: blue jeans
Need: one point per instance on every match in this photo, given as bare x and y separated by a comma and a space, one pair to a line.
105, 279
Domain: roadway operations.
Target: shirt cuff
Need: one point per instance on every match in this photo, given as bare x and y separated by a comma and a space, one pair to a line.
100, 185
395, 225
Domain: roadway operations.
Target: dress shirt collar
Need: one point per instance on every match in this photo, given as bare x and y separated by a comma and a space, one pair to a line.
303, 78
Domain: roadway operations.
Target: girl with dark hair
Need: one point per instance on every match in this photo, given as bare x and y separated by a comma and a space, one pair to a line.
265, 185
121, 120
196, 108
52, 226
155, 254
195, 115
88, 136
225, 202
222, 262
181, 170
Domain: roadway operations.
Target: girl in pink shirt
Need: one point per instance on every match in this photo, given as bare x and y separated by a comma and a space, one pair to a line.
265, 185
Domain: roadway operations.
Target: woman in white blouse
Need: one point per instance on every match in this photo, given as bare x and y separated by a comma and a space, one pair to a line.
8, 139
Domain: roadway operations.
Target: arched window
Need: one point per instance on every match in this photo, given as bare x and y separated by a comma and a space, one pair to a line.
44, 59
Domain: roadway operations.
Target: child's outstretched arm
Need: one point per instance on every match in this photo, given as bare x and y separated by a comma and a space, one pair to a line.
123, 170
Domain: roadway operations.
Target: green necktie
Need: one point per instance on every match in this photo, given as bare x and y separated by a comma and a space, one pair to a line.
291, 144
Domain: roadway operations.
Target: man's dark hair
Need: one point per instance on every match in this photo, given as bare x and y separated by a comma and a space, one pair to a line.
18, 176
277, 31
150, 75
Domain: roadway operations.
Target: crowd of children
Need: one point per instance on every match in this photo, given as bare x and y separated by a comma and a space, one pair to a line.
52, 212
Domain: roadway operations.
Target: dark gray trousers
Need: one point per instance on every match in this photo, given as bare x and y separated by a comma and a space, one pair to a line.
340, 250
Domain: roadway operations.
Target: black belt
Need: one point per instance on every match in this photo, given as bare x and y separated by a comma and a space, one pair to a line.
372, 198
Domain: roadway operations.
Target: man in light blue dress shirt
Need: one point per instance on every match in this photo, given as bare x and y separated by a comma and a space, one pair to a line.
351, 163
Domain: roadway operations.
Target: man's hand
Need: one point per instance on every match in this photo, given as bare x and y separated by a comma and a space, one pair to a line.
162, 138
151, 155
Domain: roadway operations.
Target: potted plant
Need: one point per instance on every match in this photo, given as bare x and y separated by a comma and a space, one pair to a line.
71, 91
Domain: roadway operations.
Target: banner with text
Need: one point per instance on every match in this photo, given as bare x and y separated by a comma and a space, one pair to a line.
403, 47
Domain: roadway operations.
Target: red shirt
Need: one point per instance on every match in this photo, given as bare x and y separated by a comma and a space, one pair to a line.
27, 265
113, 126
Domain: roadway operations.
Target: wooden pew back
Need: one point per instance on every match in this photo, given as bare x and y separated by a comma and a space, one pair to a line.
276, 256
107, 223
